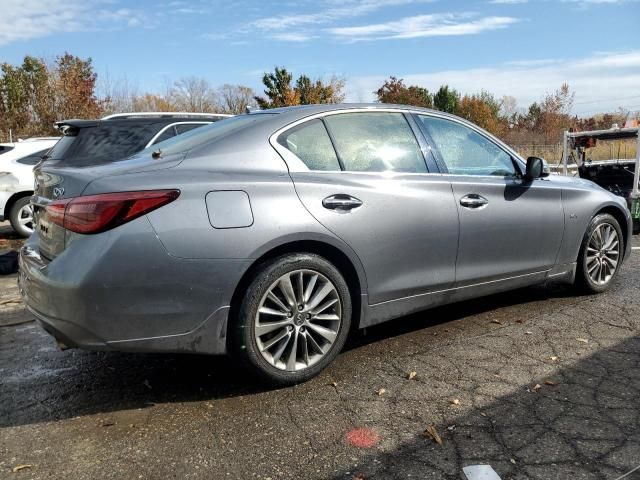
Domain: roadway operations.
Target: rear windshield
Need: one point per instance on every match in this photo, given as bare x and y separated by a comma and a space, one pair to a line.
5, 149
208, 133
101, 144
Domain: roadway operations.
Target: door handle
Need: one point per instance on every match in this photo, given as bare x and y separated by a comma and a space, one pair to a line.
473, 200
342, 202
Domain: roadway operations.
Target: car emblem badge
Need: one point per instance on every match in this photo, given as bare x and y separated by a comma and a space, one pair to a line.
58, 192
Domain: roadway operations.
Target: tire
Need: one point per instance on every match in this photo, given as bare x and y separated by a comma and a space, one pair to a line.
16, 217
258, 347
606, 260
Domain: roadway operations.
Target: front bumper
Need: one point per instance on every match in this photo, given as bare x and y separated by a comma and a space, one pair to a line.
120, 290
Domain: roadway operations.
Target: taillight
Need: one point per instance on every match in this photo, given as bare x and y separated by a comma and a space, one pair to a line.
97, 213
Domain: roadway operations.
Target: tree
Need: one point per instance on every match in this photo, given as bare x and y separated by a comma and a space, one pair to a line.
150, 102
280, 92
193, 94
75, 88
314, 92
482, 112
395, 91
234, 99
446, 99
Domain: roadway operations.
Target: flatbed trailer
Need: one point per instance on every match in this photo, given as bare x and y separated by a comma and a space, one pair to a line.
619, 176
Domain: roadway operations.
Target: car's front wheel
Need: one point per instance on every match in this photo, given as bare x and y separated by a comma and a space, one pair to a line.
21, 217
294, 318
600, 254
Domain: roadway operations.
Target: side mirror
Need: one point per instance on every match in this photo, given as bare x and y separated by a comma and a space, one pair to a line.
536, 168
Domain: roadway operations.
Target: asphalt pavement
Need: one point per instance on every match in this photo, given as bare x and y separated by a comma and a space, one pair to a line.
540, 383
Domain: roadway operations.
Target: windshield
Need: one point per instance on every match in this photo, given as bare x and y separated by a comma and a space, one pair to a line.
209, 133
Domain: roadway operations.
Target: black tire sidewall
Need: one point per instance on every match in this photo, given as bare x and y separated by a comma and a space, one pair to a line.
13, 215
584, 280
243, 338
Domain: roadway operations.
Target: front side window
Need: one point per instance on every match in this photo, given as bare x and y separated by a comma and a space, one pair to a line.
310, 142
466, 152
376, 142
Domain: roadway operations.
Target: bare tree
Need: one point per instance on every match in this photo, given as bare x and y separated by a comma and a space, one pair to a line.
234, 99
193, 94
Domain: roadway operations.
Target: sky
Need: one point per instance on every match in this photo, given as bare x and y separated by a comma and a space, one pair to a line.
522, 48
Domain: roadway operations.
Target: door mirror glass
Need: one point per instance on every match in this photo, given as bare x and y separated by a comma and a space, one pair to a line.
536, 168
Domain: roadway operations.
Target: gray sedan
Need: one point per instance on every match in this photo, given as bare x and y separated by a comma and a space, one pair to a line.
271, 235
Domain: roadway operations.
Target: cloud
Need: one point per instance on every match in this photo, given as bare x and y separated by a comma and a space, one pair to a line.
435, 25
508, 2
27, 19
603, 81
331, 13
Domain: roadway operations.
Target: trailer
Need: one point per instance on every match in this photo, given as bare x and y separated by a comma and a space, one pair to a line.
619, 176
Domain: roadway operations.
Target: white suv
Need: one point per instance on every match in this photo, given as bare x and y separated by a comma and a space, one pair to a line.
16, 180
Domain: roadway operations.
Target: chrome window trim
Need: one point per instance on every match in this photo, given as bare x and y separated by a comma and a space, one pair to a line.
294, 164
155, 137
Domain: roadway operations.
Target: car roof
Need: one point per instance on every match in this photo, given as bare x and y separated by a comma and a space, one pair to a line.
137, 119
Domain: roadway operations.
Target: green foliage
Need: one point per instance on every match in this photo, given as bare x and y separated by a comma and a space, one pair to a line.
446, 99
280, 92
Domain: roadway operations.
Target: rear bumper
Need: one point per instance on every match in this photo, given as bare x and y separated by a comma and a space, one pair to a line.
121, 291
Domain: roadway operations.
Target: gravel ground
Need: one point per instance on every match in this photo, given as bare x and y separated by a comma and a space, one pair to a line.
539, 383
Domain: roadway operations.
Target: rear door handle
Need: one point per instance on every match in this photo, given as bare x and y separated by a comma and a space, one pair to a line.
341, 201
473, 200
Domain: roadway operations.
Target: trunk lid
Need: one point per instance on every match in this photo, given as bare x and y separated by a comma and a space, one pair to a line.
54, 183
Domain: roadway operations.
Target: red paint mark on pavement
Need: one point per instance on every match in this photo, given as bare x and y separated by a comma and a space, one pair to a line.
362, 437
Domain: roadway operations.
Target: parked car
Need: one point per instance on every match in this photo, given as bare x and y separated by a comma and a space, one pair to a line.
121, 135
16, 180
270, 235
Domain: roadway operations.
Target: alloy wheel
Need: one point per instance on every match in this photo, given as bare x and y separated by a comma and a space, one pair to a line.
298, 320
603, 254
25, 218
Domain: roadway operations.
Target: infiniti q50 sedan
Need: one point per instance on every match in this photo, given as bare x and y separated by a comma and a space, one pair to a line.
270, 235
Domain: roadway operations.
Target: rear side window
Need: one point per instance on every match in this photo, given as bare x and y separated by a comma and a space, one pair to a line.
33, 159
376, 142
310, 142
185, 127
166, 134
5, 149
466, 152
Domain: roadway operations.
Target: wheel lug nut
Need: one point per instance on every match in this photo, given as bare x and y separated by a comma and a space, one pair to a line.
289, 314
302, 329
300, 307
308, 316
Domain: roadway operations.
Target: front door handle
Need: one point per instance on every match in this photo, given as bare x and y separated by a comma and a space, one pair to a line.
473, 200
341, 202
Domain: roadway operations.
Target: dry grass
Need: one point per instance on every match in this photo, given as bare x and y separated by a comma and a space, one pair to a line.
617, 149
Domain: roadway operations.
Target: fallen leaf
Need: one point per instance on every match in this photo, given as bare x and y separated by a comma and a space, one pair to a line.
513, 460
381, 392
433, 433
550, 383
528, 333
17, 468
583, 340
536, 387
411, 375
359, 476
553, 359
108, 423
496, 321
455, 401
451, 428
483, 414
11, 300
334, 384
519, 321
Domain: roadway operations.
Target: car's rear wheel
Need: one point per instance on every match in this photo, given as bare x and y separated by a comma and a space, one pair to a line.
21, 217
294, 318
600, 254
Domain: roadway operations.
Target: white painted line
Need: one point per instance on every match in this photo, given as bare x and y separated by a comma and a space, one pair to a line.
480, 472
635, 248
